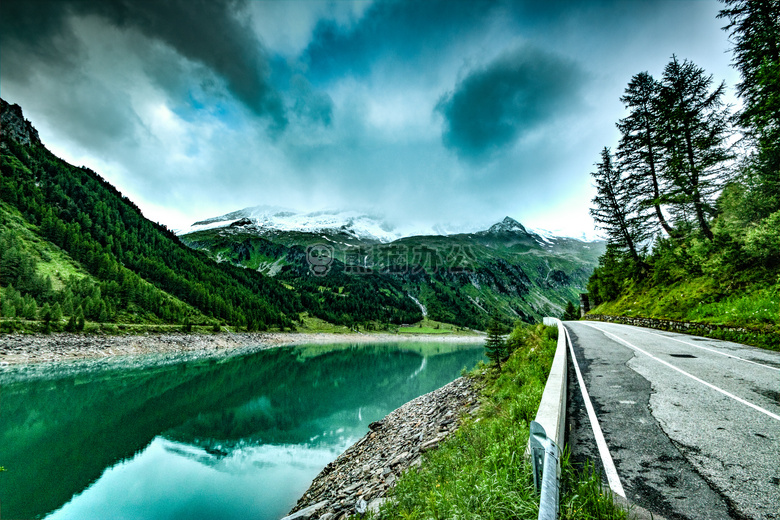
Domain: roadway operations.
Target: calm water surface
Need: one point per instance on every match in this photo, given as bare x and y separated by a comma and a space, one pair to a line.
217, 438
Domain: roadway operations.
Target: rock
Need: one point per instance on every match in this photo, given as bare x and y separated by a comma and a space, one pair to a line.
361, 506
307, 512
349, 489
375, 504
14, 126
399, 459
431, 444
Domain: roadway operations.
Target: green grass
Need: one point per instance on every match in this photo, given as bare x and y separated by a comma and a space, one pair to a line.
52, 261
702, 300
313, 324
481, 472
760, 307
753, 307
427, 326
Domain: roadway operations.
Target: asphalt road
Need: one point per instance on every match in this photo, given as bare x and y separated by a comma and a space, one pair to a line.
692, 424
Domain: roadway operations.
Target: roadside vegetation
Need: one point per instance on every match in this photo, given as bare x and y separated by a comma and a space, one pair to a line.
482, 470
690, 199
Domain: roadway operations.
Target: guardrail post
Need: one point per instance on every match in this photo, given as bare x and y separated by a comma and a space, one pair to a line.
544, 459
536, 441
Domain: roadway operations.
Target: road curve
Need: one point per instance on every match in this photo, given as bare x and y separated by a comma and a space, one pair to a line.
692, 424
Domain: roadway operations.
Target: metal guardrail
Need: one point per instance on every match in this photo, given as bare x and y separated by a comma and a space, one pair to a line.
547, 431
545, 457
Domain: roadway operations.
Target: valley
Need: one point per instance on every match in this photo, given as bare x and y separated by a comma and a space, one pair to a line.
458, 278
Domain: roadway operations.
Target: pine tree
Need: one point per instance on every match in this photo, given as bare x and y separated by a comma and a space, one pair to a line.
56, 313
695, 131
495, 346
571, 312
616, 209
640, 149
79, 323
754, 30
46, 317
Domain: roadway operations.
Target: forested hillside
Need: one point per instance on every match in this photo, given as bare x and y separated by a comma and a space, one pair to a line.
690, 198
75, 250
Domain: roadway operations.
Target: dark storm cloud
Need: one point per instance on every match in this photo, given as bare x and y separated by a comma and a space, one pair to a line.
310, 105
402, 29
209, 32
517, 92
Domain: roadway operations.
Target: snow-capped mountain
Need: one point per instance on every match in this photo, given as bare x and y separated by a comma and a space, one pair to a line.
508, 225
271, 218
357, 225
592, 236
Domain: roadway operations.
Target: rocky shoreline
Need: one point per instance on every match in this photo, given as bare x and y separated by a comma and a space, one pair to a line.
42, 348
359, 478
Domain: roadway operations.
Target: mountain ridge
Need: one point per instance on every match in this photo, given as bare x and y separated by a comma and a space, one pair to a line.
356, 224
459, 278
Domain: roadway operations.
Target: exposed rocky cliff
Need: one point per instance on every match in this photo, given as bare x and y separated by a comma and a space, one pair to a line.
14, 126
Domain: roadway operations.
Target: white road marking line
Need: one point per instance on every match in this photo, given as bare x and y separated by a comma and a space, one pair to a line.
713, 350
606, 458
641, 329
717, 389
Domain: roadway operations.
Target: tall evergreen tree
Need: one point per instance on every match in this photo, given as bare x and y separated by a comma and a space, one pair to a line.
695, 131
640, 149
754, 29
571, 312
495, 345
616, 209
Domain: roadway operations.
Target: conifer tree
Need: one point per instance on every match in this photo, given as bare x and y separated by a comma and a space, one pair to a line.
640, 149
616, 209
695, 130
495, 345
754, 30
570, 313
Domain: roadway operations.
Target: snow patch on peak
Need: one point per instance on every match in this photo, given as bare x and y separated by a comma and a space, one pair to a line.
508, 225
547, 235
273, 218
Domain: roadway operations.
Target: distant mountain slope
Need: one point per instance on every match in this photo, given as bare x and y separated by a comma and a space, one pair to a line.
457, 278
133, 269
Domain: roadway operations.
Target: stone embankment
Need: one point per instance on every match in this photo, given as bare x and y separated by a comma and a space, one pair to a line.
670, 325
359, 478
38, 348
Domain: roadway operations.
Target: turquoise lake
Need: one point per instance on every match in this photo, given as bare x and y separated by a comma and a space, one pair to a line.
237, 437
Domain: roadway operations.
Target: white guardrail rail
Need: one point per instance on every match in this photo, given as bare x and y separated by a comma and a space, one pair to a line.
547, 430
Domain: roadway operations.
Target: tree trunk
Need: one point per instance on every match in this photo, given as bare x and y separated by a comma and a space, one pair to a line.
656, 190
694, 177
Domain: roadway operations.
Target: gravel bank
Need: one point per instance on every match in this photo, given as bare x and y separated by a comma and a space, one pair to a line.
40, 348
360, 477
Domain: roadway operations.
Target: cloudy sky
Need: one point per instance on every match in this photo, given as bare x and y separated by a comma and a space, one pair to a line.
425, 112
